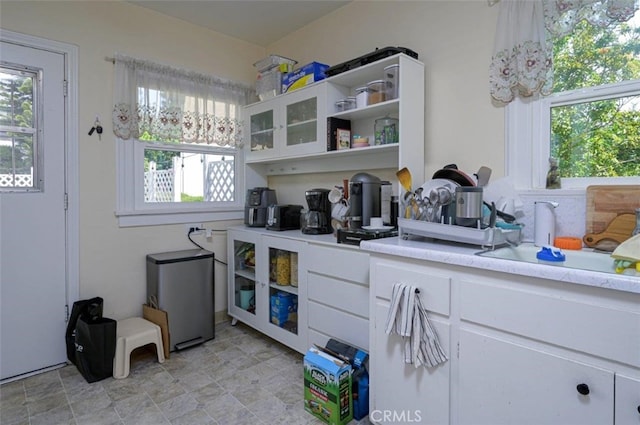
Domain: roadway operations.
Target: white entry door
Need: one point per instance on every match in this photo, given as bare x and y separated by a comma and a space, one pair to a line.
33, 259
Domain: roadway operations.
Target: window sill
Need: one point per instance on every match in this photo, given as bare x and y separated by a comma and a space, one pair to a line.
156, 218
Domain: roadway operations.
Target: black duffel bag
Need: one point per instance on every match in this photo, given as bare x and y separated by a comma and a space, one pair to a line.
95, 347
91, 309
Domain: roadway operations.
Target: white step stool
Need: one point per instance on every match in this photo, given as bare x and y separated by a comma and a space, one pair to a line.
133, 333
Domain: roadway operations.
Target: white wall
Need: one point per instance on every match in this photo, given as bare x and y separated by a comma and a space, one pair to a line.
455, 41
453, 38
112, 259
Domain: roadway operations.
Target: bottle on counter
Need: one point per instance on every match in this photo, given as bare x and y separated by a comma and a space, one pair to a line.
636, 231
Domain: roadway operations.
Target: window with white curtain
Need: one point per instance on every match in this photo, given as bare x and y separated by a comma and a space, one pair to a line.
179, 144
574, 99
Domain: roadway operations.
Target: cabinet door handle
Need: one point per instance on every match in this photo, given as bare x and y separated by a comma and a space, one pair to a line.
583, 389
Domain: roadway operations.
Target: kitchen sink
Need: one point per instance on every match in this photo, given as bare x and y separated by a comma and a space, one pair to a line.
584, 259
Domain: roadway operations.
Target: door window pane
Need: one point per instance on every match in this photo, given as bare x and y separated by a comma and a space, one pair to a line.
18, 132
16, 98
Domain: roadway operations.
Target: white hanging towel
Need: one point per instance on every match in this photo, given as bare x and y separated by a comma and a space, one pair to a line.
408, 319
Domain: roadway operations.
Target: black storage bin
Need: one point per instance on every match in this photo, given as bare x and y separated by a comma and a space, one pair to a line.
95, 343
91, 309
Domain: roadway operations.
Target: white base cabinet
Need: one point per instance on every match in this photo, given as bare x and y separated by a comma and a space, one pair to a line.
332, 292
521, 350
272, 256
401, 392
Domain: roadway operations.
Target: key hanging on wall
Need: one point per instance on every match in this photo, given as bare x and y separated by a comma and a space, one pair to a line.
97, 127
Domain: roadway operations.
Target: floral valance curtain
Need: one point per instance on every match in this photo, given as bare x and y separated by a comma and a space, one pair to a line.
167, 104
522, 63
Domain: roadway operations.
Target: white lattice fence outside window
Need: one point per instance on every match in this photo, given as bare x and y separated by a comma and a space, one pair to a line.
21, 180
158, 185
219, 181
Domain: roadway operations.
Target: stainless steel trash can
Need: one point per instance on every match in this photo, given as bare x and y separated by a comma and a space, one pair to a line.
182, 281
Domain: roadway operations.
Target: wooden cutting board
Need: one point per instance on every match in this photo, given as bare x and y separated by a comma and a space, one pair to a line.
604, 203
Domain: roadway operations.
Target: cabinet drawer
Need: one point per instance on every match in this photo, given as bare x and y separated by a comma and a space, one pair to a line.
589, 328
343, 295
434, 287
345, 327
342, 263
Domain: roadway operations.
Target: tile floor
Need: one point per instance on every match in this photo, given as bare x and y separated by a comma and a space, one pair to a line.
240, 377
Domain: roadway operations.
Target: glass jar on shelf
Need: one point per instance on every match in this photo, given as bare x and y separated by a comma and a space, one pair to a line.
283, 267
386, 131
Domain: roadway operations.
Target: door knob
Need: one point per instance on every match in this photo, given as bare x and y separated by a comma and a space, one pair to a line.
583, 389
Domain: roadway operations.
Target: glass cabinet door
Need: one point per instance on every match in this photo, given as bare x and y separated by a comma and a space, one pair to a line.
283, 289
285, 297
244, 276
261, 130
302, 122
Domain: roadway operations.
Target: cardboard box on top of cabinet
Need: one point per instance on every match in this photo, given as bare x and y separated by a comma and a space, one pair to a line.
327, 387
303, 76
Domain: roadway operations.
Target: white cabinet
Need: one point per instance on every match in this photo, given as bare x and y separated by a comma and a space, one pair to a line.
396, 388
287, 126
502, 382
338, 293
281, 130
627, 403
521, 350
268, 292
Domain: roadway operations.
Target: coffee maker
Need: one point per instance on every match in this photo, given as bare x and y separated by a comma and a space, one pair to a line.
318, 217
364, 200
257, 202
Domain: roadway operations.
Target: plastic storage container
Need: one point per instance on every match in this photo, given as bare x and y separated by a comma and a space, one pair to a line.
361, 97
377, 93
391, 81
272, 61
346, 104
283, 268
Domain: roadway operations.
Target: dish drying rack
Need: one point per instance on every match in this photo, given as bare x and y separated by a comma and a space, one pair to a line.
489, 237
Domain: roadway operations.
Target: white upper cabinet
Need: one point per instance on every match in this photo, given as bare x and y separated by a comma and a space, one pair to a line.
288, 134
287, 126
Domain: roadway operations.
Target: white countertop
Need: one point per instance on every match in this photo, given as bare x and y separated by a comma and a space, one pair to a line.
465, 255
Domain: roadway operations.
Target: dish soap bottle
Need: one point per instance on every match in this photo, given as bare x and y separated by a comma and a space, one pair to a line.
553, 175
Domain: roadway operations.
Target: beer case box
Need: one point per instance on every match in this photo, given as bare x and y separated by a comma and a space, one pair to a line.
327, 387
303, 76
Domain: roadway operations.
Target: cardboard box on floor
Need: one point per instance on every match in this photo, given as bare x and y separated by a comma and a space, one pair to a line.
327, 387
160, 318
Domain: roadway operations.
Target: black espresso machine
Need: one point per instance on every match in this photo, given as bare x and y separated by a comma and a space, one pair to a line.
365, 200
256, 204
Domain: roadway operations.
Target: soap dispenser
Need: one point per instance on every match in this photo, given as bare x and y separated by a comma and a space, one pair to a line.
544, 225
